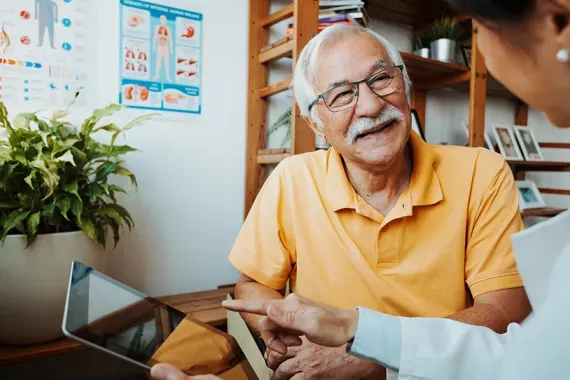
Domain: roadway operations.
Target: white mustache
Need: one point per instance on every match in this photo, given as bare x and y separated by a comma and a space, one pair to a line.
365, 124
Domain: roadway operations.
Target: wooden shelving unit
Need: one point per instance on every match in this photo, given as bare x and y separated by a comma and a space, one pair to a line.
426, 74
544, 212
305, 18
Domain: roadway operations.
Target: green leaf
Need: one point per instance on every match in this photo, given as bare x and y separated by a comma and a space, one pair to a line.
15, 218
95, 190
105, 169
114, 151
26, 200
126, 173
89, 124
101, 232
32, 226
116, 232
72, 188
48, 210
22, 120
80, 157
76, 208
8, 205
20, 157
29, 179
124, 214
139, 120
109, 128
63, 204
88, 227
66, 157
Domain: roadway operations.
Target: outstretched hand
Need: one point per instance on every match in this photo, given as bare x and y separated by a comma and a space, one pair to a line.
285, 321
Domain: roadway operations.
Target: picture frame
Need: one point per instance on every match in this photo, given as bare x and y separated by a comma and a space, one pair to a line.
417, 125
528, 143
507, 143
466, 53
529, 196
488, 142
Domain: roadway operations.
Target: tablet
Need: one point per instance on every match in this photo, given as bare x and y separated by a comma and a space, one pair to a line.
107, 315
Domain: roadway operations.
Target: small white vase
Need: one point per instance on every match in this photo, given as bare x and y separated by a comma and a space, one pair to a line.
33, 283
423, 52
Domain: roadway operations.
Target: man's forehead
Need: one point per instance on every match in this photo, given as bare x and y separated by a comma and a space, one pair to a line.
347, 59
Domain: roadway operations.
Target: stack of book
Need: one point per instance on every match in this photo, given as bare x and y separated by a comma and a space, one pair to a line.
349, 12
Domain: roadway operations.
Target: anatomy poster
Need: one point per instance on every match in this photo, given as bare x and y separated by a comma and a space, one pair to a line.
47, 52
160, 57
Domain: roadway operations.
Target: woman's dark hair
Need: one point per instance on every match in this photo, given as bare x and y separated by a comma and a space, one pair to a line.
495, 10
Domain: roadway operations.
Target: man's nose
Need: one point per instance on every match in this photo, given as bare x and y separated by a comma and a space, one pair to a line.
369, 104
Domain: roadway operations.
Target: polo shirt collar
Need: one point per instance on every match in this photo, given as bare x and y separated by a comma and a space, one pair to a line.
425, 188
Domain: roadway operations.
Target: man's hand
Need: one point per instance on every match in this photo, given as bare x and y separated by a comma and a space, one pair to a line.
311, 361
169, 372
288, 319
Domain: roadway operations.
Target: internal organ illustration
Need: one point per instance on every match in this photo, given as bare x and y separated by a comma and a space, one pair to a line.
128, 92
183, 73
135, 21
187, 62
143, 56
131, 91
25, 15
25, 40
189, 32
173, 98
130, 54
130, 66
142, 68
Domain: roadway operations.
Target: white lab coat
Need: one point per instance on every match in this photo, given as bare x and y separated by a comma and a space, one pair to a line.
442, 349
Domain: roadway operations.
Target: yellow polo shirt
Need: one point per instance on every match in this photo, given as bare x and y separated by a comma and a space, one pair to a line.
446, 240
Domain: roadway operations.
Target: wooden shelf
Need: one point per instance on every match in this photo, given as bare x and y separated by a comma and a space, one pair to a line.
280, 49
546, 212
205, 306
416, 13
282, 14
427, 73
272, 156
276, 88
539, 166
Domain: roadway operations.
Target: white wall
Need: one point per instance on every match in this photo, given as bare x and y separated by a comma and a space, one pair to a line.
188, 208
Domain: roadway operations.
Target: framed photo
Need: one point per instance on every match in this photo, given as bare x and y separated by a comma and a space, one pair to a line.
417, 125
528, 144
466, 53
529, 196
488, 143
507, 143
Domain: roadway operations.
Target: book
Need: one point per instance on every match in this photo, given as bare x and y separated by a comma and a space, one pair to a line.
325, 3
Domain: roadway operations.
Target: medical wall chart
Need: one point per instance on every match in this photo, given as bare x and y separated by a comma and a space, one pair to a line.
48, 52
160, 57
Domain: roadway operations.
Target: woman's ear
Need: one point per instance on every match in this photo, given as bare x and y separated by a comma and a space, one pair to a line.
557, 13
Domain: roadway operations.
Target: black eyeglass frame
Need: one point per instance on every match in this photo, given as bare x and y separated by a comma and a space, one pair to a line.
357, 83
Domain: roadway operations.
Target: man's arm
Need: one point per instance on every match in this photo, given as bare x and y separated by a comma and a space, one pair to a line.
496, 310
248, 289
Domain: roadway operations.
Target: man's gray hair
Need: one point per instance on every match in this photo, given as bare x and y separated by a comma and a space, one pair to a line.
303, 76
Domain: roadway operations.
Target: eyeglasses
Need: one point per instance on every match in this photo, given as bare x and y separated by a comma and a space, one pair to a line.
345, 96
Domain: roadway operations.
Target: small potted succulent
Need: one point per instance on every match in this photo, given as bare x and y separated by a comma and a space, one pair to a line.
57, 204
443, 35
420, 44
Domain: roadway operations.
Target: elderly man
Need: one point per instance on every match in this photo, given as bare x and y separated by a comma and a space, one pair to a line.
382, 219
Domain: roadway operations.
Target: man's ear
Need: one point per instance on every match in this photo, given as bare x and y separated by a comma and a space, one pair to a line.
318, 131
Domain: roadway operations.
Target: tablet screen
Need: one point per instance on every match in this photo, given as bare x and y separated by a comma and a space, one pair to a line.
109, 315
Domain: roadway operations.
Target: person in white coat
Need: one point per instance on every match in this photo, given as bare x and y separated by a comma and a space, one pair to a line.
526, 45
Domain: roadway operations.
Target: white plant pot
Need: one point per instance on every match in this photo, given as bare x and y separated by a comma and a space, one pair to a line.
423, 52
33, 283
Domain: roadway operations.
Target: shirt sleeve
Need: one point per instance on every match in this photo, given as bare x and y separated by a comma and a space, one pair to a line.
493, 217
263, 249
378, 338
443, 349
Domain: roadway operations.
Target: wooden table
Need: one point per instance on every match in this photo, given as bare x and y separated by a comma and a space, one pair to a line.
204, 306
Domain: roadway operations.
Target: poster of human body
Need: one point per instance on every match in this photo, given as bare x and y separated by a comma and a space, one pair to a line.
160, 57
51, 53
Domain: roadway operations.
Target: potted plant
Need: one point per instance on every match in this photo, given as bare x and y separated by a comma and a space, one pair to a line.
420, 43
443, 34
57, 205
285, 121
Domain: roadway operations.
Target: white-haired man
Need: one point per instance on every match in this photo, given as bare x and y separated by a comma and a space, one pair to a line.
382, 220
